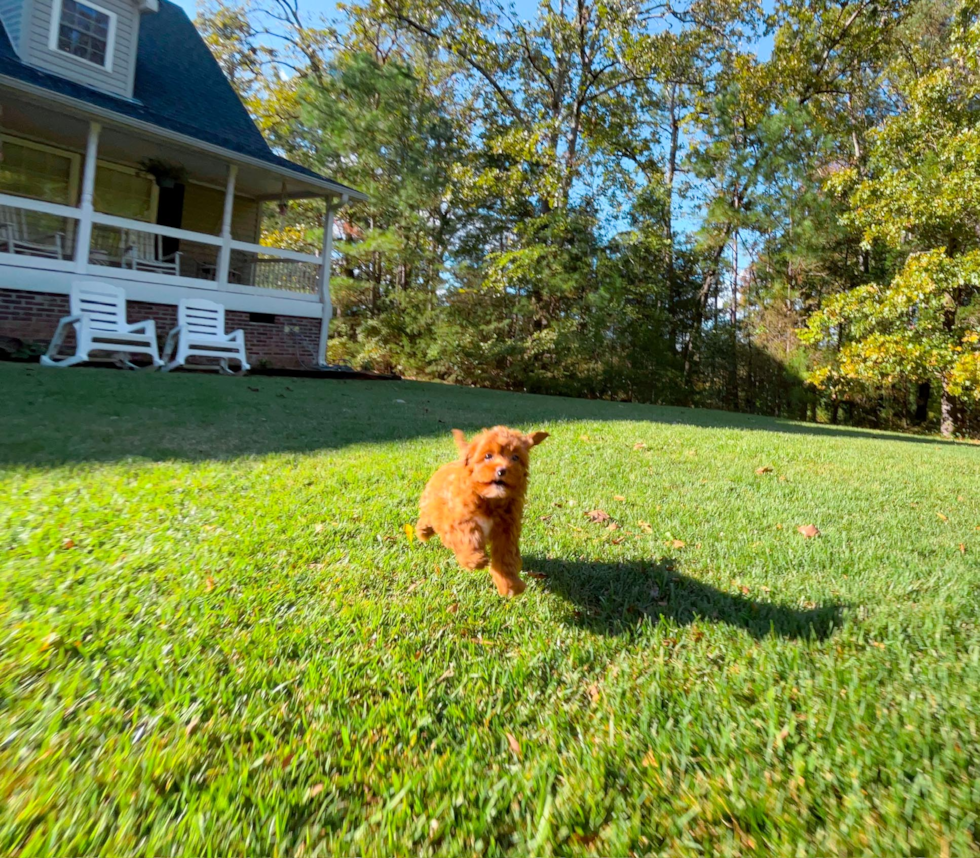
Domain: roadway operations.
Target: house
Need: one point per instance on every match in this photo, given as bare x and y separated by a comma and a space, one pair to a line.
128, 158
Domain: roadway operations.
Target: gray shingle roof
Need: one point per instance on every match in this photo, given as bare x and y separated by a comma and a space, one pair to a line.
179, 87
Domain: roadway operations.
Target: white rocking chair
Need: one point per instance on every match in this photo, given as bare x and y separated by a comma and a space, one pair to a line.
143, 251
98, 315
15, 236
201, 332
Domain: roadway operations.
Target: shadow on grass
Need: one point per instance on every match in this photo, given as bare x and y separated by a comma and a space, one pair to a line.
613, 598
52, 416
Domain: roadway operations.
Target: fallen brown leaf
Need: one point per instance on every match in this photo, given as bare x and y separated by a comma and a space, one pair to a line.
645, 527
765, 469
190, 727
618, 498
544, 518
314, 790
515, 746
538, 575
941, 517
453, 608
68, 543
962, 548
618, 541
594, 692
649, 761
808, 530
612, 526
597, 515
678, 543
639, 445
208, 584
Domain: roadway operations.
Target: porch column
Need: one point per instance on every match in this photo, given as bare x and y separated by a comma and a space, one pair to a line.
83, 237
224, 254
326, 257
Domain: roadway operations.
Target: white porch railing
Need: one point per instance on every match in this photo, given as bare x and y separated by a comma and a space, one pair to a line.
147, 252
39, 230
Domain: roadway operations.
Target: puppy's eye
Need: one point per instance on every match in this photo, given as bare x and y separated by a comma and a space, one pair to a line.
515, 457
488, 456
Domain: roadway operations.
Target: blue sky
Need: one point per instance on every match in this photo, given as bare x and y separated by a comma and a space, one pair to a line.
525, 8
324, 7
314, 9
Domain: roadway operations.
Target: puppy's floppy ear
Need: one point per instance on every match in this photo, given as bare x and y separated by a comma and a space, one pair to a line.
535, 438
460, 439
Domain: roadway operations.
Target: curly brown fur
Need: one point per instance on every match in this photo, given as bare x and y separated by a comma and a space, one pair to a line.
477, 502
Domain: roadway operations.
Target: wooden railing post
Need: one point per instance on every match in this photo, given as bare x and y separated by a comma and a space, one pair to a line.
83, 237
224, 255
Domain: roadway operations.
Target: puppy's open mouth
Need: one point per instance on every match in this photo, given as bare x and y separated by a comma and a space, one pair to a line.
500, 483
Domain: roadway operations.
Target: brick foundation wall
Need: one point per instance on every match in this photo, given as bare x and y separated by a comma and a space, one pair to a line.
33, 316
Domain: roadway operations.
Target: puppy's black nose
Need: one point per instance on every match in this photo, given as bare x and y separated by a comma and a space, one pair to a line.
501, 472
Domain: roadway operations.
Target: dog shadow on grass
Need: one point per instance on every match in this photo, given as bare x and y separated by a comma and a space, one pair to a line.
615, 598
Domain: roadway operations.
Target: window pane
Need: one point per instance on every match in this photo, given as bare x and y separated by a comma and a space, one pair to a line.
123, 194
83, 31
30, 172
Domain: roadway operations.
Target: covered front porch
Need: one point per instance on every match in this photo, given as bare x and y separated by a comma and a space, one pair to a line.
160, 216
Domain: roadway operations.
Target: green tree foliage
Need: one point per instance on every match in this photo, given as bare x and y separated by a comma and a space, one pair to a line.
622, 200
920, 199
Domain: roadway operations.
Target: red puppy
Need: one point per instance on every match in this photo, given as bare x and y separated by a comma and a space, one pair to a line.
478, 500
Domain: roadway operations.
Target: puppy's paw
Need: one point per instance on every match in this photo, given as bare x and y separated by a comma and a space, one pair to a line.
508, 585
424, 531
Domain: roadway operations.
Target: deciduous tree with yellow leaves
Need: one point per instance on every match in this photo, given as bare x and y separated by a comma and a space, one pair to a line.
921, 197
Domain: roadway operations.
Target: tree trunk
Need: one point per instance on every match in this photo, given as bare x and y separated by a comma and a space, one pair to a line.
733, 315
947, 425
708, 282
923, 392
670, 173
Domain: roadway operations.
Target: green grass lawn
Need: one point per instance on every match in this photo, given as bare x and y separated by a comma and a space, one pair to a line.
217, 639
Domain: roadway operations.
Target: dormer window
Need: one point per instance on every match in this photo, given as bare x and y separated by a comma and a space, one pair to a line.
84, 31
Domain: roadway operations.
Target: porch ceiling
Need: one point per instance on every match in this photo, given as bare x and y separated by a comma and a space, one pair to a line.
66, 130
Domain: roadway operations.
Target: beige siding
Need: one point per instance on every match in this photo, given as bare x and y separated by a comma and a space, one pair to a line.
117, 81
203, 209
